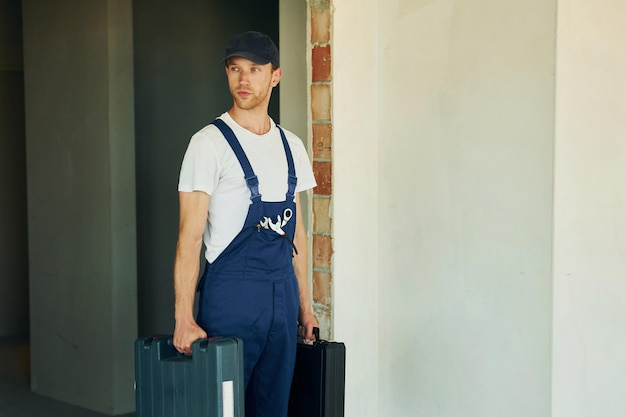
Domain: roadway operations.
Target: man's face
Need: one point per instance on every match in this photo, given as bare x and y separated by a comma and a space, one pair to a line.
251, 84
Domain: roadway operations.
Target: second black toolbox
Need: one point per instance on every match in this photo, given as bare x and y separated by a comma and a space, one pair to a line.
318, 387
207, 383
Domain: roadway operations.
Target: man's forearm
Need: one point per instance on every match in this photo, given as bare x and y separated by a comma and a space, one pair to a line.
301, 271
193, 217
186, 269
301, 265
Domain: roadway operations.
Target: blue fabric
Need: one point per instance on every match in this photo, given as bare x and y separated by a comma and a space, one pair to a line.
251, 291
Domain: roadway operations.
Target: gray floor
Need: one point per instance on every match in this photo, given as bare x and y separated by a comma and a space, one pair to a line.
16, 399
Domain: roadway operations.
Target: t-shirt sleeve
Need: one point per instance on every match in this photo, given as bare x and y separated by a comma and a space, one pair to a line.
200, 167
304, 171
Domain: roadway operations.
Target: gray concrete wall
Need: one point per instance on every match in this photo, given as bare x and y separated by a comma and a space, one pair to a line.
180, 87
294, 113
81, 191
13, 230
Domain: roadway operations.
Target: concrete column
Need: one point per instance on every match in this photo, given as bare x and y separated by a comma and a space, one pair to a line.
13, 244
589, 341
78, 64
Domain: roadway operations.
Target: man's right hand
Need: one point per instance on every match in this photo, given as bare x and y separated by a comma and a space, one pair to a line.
185, 334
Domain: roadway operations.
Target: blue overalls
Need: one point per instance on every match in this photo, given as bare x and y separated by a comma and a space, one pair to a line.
250, 291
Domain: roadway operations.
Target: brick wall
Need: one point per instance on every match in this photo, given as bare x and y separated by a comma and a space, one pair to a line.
320, 13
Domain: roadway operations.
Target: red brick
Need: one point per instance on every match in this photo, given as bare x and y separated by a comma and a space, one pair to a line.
320, 25
320, 102
322, 140
323, 175
320, 60
322, 288
322, 249
322, 219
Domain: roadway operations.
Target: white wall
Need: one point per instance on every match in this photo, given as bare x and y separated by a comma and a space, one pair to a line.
355, 212
444, 128
589, 361
466, 140
479, 207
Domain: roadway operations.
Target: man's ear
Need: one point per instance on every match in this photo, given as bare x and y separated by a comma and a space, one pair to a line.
276, 76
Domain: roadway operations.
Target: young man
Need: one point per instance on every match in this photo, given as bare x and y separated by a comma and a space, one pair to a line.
238, 194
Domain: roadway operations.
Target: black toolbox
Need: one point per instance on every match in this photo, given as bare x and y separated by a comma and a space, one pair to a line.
207, 383
318, 387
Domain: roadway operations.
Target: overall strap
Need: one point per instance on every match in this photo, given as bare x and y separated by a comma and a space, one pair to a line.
251, 179
291, 170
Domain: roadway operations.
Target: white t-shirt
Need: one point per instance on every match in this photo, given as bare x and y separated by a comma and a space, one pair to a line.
210, 165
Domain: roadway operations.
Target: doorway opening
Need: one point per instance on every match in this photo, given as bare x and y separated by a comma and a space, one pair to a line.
179, 88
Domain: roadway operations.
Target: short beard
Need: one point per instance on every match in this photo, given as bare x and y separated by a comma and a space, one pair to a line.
251, 101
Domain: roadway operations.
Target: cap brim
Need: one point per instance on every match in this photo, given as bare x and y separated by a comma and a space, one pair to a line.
247, 55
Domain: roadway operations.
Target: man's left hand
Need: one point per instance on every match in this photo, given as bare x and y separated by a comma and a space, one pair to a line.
305, 329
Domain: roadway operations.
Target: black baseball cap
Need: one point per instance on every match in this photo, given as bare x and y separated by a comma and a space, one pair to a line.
255, 46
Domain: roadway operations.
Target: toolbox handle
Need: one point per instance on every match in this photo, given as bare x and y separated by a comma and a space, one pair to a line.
204, 342
316, 333
318, 341
164, 344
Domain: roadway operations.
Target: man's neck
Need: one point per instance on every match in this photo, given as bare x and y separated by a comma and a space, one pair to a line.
256, 121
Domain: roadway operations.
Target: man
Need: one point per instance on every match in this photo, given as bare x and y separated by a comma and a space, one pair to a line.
238, 194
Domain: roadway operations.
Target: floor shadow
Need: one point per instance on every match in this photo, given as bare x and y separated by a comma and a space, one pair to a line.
16, 398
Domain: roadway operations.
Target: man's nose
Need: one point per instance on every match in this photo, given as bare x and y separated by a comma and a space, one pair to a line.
244, 77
